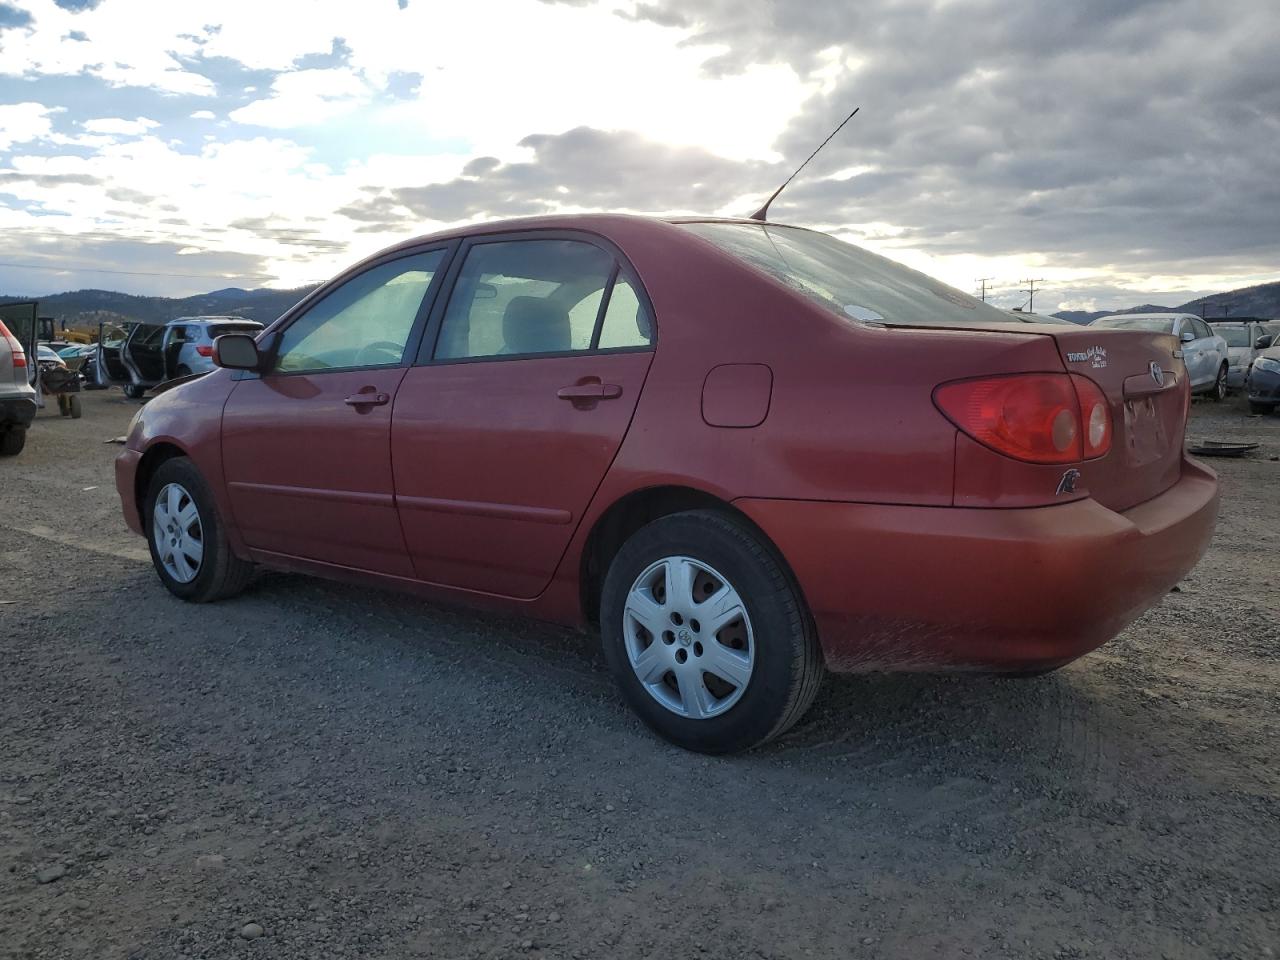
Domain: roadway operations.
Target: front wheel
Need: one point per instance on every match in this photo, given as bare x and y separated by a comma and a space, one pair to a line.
188, 543
1219, 391
1263, 408
134, 391
706, 634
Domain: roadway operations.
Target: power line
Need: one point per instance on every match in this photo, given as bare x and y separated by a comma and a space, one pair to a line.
1031, 291
983, 281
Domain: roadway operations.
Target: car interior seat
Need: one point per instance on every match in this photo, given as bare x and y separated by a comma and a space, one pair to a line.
535, 325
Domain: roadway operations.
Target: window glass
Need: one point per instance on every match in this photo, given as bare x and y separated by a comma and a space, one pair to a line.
852, 283
1236, 336
626, 321
524, 297
216, 330
363, 323
1152, 324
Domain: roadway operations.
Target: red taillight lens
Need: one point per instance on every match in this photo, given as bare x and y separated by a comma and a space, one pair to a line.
204, 349
19, 354
1095, 416
1036, 417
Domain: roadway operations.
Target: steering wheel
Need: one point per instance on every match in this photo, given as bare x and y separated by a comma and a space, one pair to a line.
379, 353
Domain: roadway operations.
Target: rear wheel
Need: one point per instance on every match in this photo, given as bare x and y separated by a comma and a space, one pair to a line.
133, 391
1219, 391
182, 372
707, 635
12, 441
73, 407
189, 546
1263, 408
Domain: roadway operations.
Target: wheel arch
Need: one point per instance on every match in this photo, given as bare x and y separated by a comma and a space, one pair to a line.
155, 455
640, 507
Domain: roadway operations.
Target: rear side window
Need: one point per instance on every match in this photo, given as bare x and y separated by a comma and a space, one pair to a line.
850, 282
529, 297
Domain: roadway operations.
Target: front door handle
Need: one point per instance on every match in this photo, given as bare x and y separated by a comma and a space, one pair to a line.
593, 389
368, 400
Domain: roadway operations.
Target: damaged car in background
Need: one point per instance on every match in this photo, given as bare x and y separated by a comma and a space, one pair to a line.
140, 356
750, 453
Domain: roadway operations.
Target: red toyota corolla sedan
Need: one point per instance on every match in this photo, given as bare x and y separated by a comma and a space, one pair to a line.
751, 453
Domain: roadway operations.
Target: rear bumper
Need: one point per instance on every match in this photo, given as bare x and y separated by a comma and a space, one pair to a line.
17, 411
925, 588
126, 472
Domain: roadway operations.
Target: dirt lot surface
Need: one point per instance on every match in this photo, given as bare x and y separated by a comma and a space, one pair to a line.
320, 771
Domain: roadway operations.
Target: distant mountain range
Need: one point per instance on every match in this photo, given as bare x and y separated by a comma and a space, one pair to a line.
85, 309
1260, 301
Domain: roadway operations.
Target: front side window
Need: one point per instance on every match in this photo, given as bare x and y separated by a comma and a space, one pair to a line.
523, 297
365, 322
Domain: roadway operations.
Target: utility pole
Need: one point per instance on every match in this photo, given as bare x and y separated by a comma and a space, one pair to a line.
983, 281
1031, 291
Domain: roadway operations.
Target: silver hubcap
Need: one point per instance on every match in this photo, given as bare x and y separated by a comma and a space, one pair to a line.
688, 637
177, 533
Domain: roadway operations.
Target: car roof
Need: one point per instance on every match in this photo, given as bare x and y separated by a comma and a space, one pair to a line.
1147, 316
214, 320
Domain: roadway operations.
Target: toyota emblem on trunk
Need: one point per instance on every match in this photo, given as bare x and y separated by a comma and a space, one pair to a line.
1157, 374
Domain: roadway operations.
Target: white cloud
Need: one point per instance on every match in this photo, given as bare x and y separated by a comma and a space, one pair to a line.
204, 115
24, 122
305, 97
116, 125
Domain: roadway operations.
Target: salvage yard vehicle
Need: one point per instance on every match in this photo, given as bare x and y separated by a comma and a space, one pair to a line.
18, 397
751, 453
1262, 383
1245, 338
1204, 353
141, 356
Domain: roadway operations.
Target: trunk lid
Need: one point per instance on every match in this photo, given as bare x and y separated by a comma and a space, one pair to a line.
1148, 411
1144, 380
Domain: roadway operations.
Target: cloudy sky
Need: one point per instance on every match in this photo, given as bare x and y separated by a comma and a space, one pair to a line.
1122, 151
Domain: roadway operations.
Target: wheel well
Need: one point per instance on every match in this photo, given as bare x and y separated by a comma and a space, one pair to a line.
147, 468
624, 518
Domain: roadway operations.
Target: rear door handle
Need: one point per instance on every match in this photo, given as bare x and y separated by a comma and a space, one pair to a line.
368, 400
594, 390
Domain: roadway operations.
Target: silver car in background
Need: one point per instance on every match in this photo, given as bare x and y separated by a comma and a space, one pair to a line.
1203, 351
19, 376
1245, 337
139, 356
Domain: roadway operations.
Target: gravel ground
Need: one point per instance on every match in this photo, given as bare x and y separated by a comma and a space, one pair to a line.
321, 771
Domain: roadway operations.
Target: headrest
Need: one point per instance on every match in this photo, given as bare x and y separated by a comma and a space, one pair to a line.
535, 325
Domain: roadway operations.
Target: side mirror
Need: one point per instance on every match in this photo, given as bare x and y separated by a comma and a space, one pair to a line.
1263, 342
236, 351
1188, 336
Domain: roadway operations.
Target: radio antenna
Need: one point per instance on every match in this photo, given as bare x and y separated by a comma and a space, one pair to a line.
763, 212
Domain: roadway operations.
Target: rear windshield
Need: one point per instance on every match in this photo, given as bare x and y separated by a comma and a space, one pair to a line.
1153, 324
219, 329
849, 281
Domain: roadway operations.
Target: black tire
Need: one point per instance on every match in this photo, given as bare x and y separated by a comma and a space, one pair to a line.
1262, 408
221, 573
74, 408
788, 666
12, 441
133, 391
182, 372
1218, 392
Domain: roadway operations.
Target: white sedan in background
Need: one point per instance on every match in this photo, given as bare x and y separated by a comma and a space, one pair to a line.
1203, 351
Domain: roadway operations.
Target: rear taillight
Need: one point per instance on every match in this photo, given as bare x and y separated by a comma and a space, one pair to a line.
204, 349
1036, 417
1095, 415
19, 355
